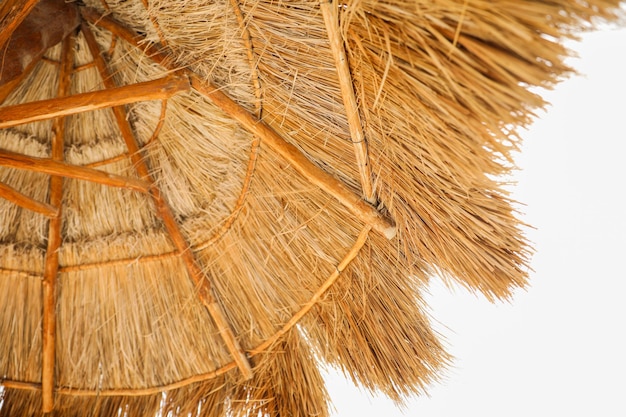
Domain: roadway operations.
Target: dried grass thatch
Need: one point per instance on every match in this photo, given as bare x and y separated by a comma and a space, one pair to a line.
269, 191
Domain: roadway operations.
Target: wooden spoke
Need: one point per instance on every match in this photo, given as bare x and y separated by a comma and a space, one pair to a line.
158, 89
317, 176
51, 266
62, 169
331, 19
24, 201
196, 274
360, 208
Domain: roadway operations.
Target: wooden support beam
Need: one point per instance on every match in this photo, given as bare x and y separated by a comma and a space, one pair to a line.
62, 169
360, 208
51, 265
12, 14
158, 89
317, 176
331, 20
198, 277
24, 201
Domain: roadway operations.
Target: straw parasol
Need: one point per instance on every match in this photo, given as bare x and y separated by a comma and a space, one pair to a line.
206, 202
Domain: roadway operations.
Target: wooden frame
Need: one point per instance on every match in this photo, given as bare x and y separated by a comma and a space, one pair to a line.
51, 265
360, 208
331, 20
9, 193
161, 88
62, 169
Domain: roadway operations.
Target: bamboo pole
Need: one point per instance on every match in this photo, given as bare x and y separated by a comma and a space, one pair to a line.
24, 201
62, 169
12, 13
317, 176
51, 266
158, 89
331, 20
161, 88
196, 274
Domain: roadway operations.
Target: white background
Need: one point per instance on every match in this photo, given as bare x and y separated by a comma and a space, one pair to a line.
559, 349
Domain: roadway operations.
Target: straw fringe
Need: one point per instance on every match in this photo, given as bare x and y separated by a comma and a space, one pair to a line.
363, 320
272, 391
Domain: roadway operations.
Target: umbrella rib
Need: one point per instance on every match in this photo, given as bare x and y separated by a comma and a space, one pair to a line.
317, 176
51, 266
314, 174
331, 20
123, 262
24, 201
19, 273
194, 270
247, 41
8, 88
62, 169
354, 251
161, 88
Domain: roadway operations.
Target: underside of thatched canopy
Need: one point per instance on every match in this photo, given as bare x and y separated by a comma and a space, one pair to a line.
202, 203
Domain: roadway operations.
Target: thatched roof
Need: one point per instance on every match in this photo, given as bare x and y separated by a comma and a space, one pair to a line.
205, 202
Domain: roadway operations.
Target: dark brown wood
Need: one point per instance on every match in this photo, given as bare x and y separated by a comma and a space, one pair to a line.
12, 13
47, 24
24, 201
198, 277
158, 89
62, 169
360, 208
51, 266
